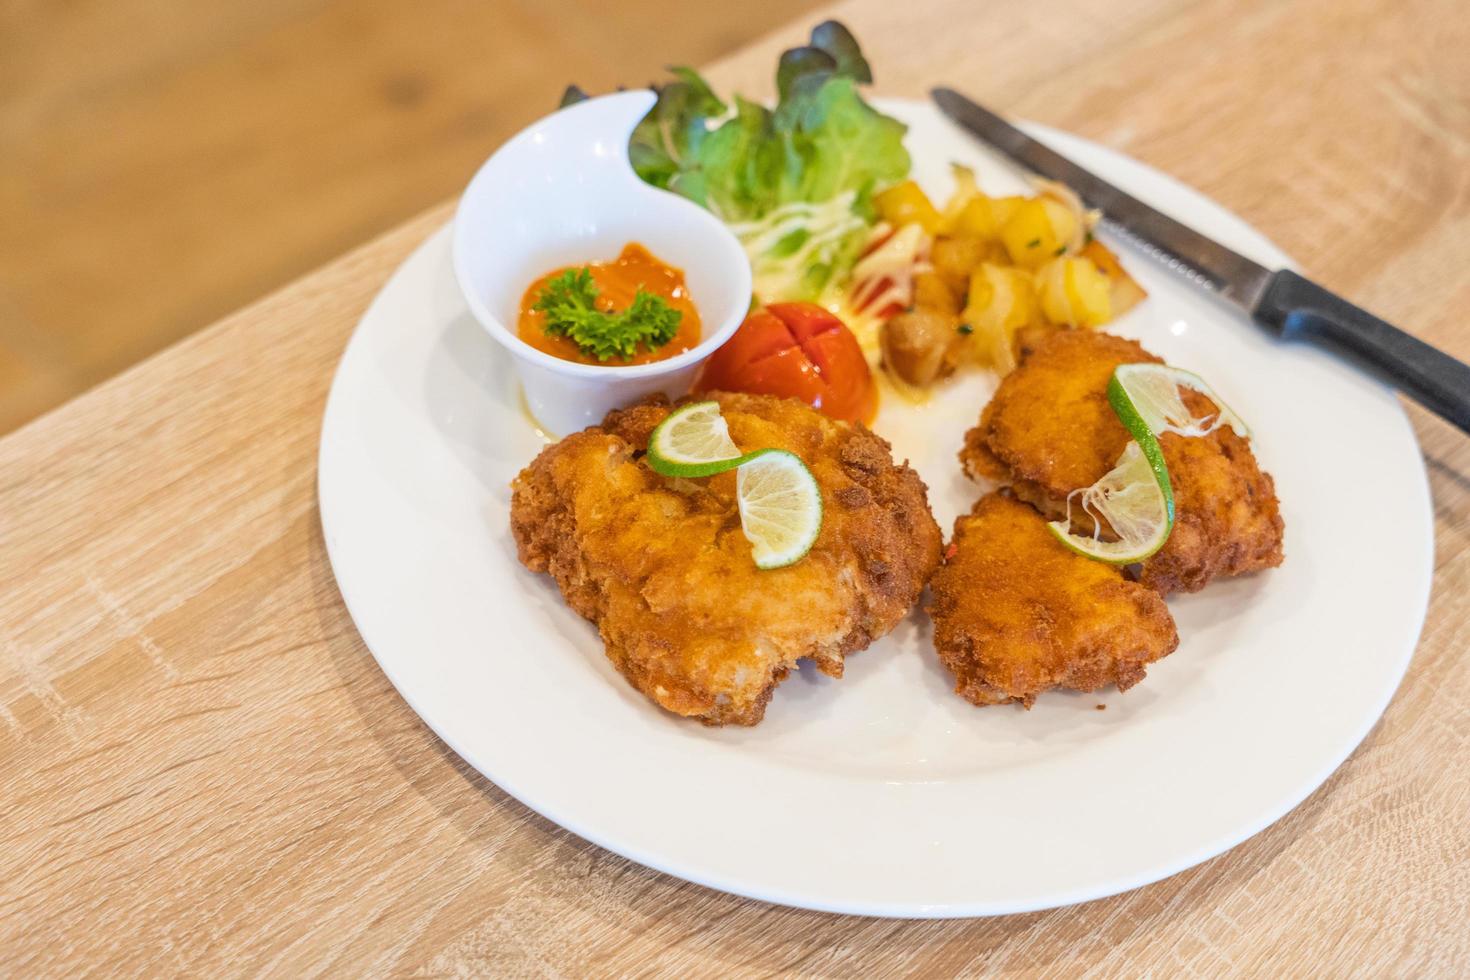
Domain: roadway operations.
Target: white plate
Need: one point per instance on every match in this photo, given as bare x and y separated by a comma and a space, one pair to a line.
884, 793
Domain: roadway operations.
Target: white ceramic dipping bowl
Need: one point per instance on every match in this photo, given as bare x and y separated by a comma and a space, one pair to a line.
561, 193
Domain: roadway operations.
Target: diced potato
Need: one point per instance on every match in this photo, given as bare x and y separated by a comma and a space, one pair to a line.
1126, 292
973, 220
1073, 291
1082, 220
916, 345
1038, 232
1002, 273
1001, 301
955, 258
1065, 227
932, 292
982, 217
906, 203
1003, 208
1089, 292
1002, 293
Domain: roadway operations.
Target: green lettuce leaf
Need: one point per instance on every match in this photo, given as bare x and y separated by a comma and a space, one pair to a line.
758, 168
669, 137
841, 142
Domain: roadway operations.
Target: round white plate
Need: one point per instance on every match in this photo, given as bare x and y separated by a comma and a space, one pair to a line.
884, 793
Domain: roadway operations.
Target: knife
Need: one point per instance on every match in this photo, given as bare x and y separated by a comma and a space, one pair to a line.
1288, 305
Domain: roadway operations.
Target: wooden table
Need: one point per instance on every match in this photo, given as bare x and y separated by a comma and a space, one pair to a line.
203, 771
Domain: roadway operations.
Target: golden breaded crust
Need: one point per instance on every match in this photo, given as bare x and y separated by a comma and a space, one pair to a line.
1049, 430
1227, 518
664, 570
1050, 423
1016, 613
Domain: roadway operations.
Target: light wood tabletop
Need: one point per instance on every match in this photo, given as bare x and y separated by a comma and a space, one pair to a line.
203, 771
305, 127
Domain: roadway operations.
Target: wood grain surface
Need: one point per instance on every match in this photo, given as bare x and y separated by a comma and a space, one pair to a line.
203, 772
148, 188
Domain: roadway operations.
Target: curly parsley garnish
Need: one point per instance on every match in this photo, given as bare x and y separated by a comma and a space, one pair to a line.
569, 302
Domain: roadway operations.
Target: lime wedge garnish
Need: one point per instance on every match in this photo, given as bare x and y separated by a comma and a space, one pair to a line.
1153, 391
693, 441
1134, 499
780, 507
1130, 500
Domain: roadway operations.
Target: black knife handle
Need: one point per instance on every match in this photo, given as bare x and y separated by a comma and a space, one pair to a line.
1302, 310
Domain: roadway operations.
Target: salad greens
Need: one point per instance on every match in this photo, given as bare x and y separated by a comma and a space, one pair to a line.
795, 182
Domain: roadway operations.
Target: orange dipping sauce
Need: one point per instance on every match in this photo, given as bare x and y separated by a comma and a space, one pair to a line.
617, 283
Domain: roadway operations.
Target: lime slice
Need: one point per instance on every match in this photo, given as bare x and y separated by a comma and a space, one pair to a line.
780, 503
693, 441
780, 507
1134, 503
1153, 391
1134, 498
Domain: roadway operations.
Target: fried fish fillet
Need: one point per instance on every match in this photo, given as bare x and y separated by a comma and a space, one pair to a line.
1016, 613
662, 566
1049, 430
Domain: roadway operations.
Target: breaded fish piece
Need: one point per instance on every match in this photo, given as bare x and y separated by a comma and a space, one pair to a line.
1227, 520
1049, 425
1049, 430
1016, 613
662, 566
